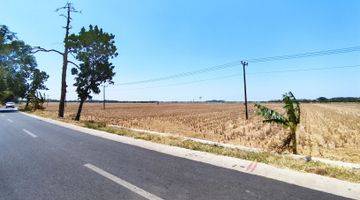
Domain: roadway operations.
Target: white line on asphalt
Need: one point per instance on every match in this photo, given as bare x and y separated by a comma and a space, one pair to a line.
29, 133
11, 121
307, 180
125, 184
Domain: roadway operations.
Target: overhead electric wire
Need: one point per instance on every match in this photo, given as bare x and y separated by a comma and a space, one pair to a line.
305, 69
189, 82
307, 54
185, 74
253, 60
253, 73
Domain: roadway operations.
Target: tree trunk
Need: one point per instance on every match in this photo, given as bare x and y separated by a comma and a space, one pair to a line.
77, 118
63, 86
65, 63
27, 103
294, 144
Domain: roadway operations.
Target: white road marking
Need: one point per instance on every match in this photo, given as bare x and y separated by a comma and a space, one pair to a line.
307, 180
11, 121
2, 115
123, 183
29, 133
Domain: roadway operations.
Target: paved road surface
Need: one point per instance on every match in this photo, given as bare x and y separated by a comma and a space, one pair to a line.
39, 160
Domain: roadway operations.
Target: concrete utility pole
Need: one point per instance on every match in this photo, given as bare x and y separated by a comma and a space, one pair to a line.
104, 97
244, 64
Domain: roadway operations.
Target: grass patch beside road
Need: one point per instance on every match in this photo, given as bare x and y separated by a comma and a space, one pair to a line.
351, 175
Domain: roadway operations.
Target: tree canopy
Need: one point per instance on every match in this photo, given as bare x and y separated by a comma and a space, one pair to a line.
93, 49
18, 68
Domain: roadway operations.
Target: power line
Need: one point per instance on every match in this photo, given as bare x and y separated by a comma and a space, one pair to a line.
188, 82
253, 60
306, 69
184, 74
307, 54
253, 73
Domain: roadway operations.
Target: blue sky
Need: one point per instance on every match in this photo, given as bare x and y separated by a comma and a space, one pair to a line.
157, 38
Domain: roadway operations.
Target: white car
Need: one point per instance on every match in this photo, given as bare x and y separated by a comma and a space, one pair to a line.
10, 105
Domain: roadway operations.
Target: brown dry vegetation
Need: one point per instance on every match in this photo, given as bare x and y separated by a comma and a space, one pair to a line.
326, 130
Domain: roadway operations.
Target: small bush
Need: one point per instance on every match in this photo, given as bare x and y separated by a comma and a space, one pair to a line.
94, 125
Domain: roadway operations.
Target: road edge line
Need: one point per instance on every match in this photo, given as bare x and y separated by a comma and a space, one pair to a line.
307, 180
335, 163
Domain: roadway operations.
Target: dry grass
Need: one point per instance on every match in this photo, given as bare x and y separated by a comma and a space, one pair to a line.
351, 175
263, 157
331, 131
326, 130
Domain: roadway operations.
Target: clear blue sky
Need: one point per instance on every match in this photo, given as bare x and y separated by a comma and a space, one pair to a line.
156, 38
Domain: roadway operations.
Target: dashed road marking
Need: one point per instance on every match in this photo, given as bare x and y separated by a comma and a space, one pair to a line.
29, 133
123, 183
11, 121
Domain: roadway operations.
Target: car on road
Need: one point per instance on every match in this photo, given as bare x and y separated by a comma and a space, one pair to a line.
9, 105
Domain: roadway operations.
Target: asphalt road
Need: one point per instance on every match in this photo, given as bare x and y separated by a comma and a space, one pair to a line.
39, 160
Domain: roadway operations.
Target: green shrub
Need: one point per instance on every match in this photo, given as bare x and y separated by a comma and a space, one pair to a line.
94, 125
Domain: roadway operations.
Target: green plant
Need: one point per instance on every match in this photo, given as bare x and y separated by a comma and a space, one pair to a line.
19, 75
289, 121
38, 101
93, 48
94, 125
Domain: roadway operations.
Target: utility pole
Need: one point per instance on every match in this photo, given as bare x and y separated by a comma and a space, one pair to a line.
104, 97
244, 64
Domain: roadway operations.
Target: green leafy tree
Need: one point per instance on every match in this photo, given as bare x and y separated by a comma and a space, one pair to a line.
6, 38
16, 65
93, 49
289, 121
322, 99
38, 101
37, 83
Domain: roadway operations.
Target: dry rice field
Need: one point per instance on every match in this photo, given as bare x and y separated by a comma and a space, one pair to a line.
326, 130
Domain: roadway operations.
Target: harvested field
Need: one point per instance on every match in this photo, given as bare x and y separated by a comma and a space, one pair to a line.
326, 130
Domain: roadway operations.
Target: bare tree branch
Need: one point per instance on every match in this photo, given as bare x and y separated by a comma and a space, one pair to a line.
40, 49
72, 54
73, 63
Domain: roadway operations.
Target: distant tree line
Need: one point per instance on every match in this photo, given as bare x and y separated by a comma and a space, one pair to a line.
318, 100
339, 99
326, 100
